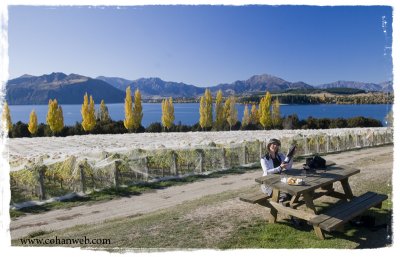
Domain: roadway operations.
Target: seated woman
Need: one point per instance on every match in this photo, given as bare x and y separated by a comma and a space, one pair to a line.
274, 162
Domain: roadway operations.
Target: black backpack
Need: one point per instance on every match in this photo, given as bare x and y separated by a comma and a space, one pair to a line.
315, 162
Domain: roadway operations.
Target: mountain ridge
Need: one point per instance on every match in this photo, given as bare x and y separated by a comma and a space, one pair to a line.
69, 89
386, 86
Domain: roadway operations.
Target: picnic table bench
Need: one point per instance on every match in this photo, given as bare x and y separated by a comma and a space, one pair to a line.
317, 183
258, 197
335, 217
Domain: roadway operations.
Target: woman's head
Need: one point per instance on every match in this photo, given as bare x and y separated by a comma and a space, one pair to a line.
273, 145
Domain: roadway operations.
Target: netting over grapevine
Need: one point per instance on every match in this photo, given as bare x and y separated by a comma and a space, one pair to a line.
77, 174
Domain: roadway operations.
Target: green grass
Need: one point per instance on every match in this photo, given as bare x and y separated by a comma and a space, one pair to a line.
115, 193
283, 235
183, 227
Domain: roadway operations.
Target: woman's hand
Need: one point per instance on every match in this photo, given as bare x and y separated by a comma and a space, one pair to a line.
283, 165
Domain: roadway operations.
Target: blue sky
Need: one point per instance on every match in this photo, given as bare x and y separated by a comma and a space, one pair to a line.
203, 45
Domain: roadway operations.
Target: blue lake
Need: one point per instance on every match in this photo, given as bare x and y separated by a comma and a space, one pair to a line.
188, 113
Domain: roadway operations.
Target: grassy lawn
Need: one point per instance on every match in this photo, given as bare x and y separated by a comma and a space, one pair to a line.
220, 222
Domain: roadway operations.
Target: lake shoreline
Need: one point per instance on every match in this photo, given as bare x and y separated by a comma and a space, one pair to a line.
188, 113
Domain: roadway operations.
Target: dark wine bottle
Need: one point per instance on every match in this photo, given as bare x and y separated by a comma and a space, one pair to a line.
290, 154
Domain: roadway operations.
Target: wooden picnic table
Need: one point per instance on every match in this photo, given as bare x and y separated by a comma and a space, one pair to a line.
316, 183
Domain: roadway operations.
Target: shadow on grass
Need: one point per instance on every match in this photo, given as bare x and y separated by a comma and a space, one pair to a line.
375, 234
366, 235
373, 229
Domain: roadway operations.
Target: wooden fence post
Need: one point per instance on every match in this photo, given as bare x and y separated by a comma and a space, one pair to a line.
116, 174
42, 190
328, 142
83, 180
261, 149
174, 164
245, 157
305, 146
338, 144
373, 139
223, 160
201, 163
146, 169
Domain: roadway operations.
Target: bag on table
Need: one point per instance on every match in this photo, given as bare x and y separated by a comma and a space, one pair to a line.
315, 162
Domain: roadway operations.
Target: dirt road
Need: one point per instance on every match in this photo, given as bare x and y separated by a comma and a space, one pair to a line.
149, 202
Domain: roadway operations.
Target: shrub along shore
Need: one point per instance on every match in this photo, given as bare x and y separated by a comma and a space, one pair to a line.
20, 129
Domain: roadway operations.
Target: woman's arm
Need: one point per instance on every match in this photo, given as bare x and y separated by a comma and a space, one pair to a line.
268, 167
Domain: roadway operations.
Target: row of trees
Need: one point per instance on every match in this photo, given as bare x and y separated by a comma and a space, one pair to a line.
20, 129
266, 116
301, 98
226, 113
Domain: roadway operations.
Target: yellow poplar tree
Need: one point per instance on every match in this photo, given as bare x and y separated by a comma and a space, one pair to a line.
168, 113
202, 120
276, 113
219, 111
254, 115
88, 113
104, 115
128, 122
6, 117
60, 119
54, 117
137, 110
32, 125
164, 116
171, 111
230, 111
206, 110
246, 117
209, 109
264, 111
51, 114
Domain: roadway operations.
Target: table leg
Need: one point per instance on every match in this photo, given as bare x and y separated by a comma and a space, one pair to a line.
273, 212
308, 199
347, 188
294, 200
318, 231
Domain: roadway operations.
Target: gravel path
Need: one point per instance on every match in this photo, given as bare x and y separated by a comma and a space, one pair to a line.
149, 202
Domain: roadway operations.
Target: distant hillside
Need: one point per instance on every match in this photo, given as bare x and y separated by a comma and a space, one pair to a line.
67, 89
155, 87
385, 86
259, 83
116, 82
